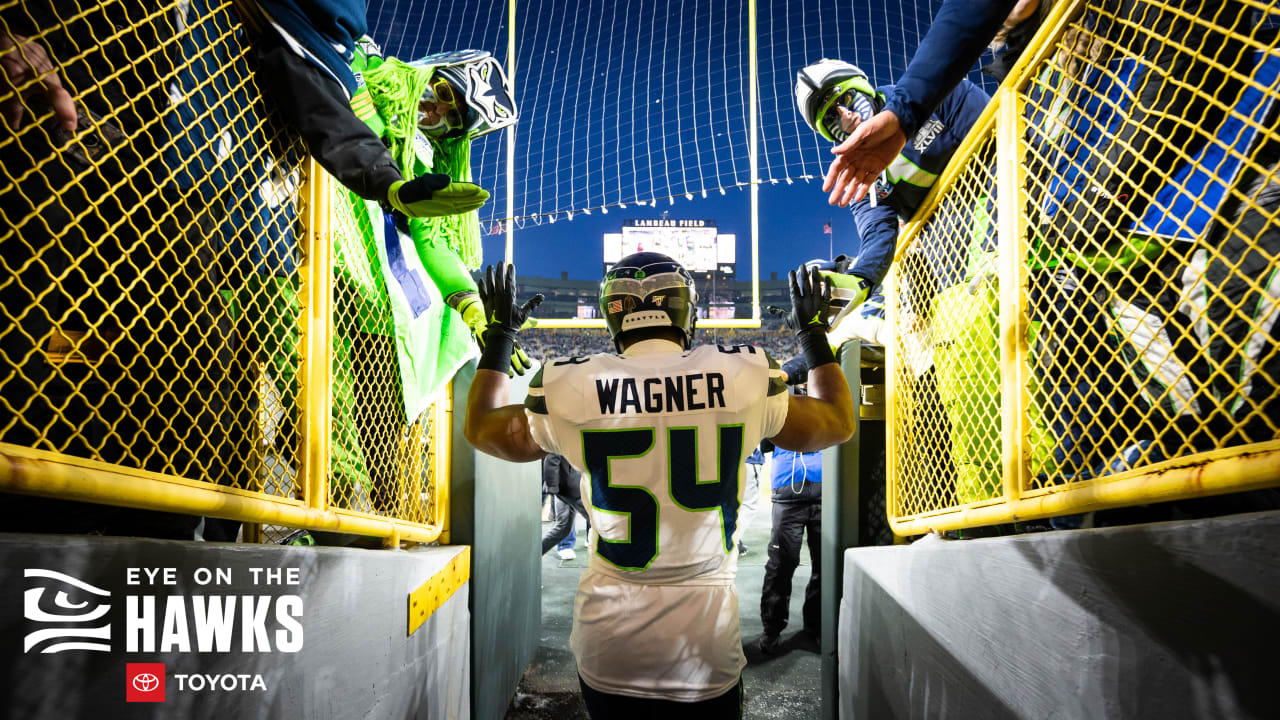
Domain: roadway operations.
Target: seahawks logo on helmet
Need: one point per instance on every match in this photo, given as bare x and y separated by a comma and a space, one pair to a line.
487, 92
479, 78
648, 290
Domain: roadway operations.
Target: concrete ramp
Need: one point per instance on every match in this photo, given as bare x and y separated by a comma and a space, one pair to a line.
1167, 620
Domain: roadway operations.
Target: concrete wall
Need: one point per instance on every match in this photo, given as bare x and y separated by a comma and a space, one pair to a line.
495, 508
1168, 620
356, 659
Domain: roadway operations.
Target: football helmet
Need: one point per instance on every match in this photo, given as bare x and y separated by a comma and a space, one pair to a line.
648, 290
475, 78
822, 88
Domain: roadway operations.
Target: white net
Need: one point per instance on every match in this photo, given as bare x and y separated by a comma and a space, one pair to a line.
639, 102
631, 103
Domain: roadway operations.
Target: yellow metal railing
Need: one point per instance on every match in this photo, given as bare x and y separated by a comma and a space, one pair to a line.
1085, 308
175, 335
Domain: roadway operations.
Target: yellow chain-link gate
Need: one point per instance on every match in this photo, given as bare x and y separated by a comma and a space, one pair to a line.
1085, 309
173, 335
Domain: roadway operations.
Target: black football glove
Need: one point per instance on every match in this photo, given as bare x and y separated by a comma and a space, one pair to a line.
810, 300
469, 306
504, 318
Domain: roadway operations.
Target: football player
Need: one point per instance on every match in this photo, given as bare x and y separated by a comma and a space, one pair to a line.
660, 431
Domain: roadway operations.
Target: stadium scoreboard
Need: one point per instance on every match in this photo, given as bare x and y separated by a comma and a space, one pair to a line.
696, 244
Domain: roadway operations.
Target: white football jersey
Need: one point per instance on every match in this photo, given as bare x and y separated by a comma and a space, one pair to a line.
660, 435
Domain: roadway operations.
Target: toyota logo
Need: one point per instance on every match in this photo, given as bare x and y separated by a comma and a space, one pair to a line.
145, 682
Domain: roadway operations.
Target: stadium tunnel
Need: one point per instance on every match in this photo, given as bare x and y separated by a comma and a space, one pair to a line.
226, 493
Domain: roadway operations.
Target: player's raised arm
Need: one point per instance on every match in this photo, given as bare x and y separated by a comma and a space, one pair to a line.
825, 417
492, 426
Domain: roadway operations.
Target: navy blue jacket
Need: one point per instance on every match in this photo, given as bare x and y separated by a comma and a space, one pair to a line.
960, 31
910, 176
326, 29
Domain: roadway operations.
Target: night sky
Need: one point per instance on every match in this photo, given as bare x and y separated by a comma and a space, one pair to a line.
626, 100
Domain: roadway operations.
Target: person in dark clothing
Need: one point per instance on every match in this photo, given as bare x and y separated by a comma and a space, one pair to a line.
834, 98
1014, 37
304, 50
119, 346
797, 510
960, 31
1145, 191
562, 482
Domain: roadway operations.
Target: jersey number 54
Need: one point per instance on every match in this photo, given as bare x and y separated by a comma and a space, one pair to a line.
686, 489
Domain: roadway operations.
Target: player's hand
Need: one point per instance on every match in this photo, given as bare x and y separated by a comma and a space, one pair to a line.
796, 319
498, 293
435, 195
26, 70
503, 319
810, 301
862, 157
470, 307
802, 316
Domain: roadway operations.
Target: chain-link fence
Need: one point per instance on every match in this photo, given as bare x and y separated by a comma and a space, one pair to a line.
1086, 316
155, 291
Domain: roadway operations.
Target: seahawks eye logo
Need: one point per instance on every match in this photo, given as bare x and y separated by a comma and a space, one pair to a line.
488, 92
75, 609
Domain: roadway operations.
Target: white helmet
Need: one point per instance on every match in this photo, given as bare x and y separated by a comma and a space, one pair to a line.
826, 84
477, 77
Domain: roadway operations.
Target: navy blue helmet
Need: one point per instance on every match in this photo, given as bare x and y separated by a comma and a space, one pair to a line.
648, 290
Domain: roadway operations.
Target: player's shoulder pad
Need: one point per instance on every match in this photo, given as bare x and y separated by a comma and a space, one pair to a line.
746, 351
554, 373
753, 354
536, 400
776, 384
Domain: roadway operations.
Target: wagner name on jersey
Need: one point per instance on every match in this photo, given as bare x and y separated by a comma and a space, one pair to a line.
661, 436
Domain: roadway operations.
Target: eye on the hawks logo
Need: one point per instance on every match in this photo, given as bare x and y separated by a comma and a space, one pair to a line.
144, 682
71, 611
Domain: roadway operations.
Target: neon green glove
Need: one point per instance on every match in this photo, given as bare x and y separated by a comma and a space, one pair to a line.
520, 361
847, 293
434, 195
468, 305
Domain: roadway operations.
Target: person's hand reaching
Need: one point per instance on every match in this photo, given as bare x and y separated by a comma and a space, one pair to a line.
435, 195
27, 71
861, 158
470, 307
810, 303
